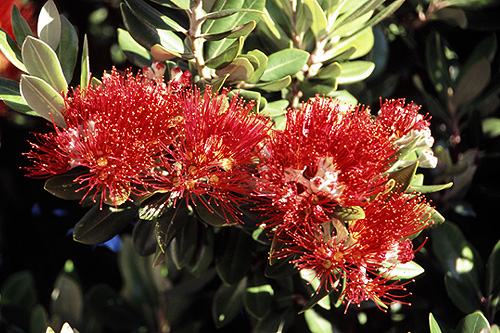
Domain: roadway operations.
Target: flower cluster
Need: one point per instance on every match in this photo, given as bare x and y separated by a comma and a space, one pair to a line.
331, 205
324, 182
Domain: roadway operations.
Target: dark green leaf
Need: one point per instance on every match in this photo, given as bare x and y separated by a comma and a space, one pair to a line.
183, 246
236, 32
144, 237
49, 25
9, 92
64, 186
19, 290
473, 323
154, 206
43, 99
67, 51
461, 294
20, 27
204, 255
234, 261
135, 52
493, 271
227, 303
258, 295
319, 295
275, 85
67, 300
225, 58
143, 33
277, 321
148, 14
280, 268
139, 280
433, 324
283, 63
456, 255
112, 310
210, 211
39, 319
11, 50
100, 225
169, 223
437, 65
472, 83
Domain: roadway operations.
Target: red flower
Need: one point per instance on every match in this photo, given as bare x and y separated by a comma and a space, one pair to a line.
113, 130
216, 147
327, 155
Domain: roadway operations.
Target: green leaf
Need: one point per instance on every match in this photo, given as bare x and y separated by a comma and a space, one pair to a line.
141, 281
240, 69
236, 32
67, 51
144, 238
85, 69
43, 99
437, 65
348, 213
162, 54
362, 43
225, 58
233, 264
228, 12
183, 246
473, 323
275, 85
204, 255
19, 290
317, 323
493, 271
424, 189
352, 27
143, 33
332, 70
252, 13
64, 186
472, 83
461, 295
49, 25
184, 4
433, 324
355, 71
259, 71
42, 62
277, 321
154, 206
319, 23
405, 271
39, 319
171, 41
456, 255
112, 310
404, 176
170, 222
67, 300
20, 27
135, 52
11, 50
210, 211
100, 225
9, 93
227, 303
148, 14
258, 295
283, 63
276, 108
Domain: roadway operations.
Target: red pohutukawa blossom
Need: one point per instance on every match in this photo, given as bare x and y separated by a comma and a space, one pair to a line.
329, 154
215, 148
374, 245
114, 131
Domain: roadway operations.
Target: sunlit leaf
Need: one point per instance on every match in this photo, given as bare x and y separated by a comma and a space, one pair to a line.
135, 52
43, 99
276, 85
41, 61
316, 323
148, 14
85, 64
9, 93
144, 34
355, 71
11, 50
473, 323
238, 31
240, 69
49, 25
225, 58
259, 71
283, 63
433, 324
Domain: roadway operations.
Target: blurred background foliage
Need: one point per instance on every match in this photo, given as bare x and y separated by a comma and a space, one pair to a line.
440, 54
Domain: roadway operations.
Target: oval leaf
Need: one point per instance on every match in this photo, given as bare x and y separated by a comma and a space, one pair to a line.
234, 262
67, 52
67, 300
355, 71
49, 25
42, 62
43, 99
227, 303
9, 93
473, 323
20, 27
100, 225
283, 63
11, 50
